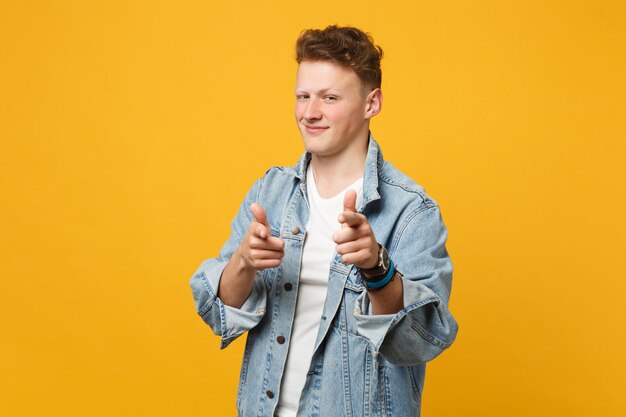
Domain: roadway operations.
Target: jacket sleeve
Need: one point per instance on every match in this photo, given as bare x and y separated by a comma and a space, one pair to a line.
225, 321
424, 327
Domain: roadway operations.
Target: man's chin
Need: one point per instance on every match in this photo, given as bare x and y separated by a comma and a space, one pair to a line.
313, 141
312, 148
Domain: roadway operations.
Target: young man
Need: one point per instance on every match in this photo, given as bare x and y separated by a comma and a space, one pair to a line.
336, 267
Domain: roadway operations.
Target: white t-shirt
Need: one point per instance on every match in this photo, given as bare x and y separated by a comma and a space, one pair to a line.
318, 252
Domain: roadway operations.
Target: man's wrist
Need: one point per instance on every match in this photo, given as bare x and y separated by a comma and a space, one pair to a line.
242, 266
380, 269
381, 282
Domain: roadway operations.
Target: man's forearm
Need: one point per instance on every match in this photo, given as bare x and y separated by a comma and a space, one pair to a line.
389, 299
236, 282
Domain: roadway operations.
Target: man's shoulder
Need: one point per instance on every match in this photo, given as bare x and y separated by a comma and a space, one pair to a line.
280, 171
277, 179
280, 174
397, 182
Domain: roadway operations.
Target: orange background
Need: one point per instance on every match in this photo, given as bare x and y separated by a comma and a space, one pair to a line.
131, 130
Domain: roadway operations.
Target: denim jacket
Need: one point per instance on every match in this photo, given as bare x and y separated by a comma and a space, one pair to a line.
363, 364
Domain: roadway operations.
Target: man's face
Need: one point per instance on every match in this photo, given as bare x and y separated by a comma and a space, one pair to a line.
331, 108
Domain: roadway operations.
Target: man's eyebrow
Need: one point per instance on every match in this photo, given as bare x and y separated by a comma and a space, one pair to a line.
322, 91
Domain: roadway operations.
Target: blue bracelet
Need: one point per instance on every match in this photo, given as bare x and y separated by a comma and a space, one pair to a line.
384, 281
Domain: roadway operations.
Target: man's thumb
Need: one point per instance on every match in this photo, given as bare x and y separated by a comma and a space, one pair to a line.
349, 201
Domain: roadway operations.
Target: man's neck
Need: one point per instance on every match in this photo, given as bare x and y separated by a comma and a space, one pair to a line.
333, 175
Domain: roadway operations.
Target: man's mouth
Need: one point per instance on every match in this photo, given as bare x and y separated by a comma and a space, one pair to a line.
315, 129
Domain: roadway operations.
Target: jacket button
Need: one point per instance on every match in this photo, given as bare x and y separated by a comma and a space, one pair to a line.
288, 286
280, 340
295, 230
270, 394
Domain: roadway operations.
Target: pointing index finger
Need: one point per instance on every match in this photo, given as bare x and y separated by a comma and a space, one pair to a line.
349, 201
259, 214
260, 217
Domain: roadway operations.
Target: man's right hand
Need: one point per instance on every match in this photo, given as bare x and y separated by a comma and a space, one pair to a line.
259, 249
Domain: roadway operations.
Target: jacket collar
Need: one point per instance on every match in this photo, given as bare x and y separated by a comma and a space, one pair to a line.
373, 165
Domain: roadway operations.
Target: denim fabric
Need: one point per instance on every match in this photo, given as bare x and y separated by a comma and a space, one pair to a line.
362, 365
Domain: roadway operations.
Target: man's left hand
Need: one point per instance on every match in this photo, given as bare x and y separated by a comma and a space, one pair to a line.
355, 241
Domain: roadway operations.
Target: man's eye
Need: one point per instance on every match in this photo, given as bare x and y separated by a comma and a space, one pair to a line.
302, 97
330, 98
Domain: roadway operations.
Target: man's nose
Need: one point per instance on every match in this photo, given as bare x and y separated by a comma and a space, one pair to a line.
312, 110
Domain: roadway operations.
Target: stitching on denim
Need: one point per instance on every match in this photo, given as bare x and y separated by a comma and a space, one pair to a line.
427, 336
226, 338
382, 390
290, 207
389, 407
406, 310
414, 388
340, 268
332, 325
246, 362
407, 187
421, 303
356, 288
355, 285
202, 311
394, 183
367, 389
345, 356
422, 208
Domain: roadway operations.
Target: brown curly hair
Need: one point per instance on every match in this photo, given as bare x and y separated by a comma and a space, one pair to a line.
347, 46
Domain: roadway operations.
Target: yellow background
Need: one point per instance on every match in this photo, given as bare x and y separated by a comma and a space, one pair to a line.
131, 130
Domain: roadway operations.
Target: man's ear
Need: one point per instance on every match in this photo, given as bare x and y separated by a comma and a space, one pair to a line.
373, 103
